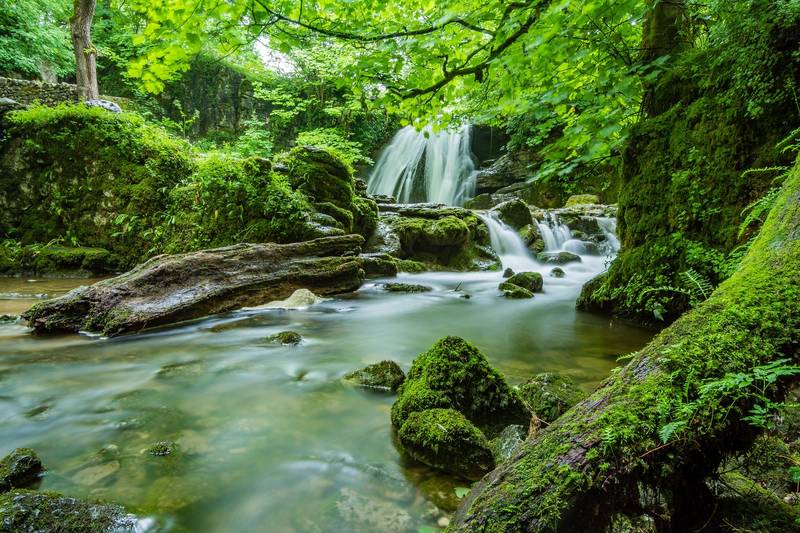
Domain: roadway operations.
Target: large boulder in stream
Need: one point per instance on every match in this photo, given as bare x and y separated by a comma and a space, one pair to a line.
172, 288
451, 403
435, 236
453, 374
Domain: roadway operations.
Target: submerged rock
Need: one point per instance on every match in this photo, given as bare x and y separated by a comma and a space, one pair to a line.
173, 288
363, 513
558, 258
405, 287
549, 395
20, 469
454, 374
515, 213
28, 511
285, 338
386, 376
445, 439
515, 291
441, 491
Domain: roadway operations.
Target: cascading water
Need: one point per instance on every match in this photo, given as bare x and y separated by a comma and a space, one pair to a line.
426, 166
508, 244
555, 233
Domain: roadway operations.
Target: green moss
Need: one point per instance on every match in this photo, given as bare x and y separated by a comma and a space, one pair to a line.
405, 287
549, 395
73, 171
528, 280
454, 374
321, 176
558, 258
229, 200
23, 510
163, 448
19, 469
582, 199
290, 338
445, 439
514, 291
365, 216
386, 375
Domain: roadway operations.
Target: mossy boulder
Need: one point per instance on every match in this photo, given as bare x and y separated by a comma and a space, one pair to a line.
20, 469
528, 280
454, 374
285, 338
549, 395
515, 291
558, 258
445, 439
514, 213
582, 199
557, 272
405, 287
163, 448
532, 237
384, 376
431, 234
28, 511
321, 176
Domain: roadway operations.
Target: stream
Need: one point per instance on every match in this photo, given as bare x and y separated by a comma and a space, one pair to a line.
269, 438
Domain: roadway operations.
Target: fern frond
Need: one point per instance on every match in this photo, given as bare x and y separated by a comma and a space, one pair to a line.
698, 285
758, 209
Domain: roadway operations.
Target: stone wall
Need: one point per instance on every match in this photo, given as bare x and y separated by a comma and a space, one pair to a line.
27, 92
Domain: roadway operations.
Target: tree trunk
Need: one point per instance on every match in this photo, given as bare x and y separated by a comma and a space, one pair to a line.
661, 36
85, 53
605, 457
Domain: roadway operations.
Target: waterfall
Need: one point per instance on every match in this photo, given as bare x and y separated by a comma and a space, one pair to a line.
556, 234
507, 243
426, 166
608, 226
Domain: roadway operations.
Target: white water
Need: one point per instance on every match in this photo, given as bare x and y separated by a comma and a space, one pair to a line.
556, 235
449, 169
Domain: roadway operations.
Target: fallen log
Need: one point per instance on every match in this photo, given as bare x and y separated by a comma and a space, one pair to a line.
172, 288
643, 444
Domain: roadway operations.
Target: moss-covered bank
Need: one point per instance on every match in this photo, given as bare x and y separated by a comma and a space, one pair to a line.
80, 177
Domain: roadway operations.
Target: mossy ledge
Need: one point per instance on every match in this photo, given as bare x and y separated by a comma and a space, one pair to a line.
606, 455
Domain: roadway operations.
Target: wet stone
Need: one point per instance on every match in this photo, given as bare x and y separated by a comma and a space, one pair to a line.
384, 376
285, 338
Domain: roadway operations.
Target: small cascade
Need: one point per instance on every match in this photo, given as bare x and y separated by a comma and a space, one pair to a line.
508, 244
426, 166
556, 234
608, 226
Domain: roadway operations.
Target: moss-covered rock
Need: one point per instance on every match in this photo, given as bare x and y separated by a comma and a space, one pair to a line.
528, 280
557, 272
532, 237
582, 199
23, 510
454, 374
321, 176
20, 469
445, 439
386, 376
513, 291
549, 395
285, 338
515, 213
405, 287
558, 258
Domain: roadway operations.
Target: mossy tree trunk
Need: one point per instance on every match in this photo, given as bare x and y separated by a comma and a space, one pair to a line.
85, 53
664, 23
606, 456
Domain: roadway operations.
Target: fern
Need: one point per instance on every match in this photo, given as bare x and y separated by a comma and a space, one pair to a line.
697, 285
757, 210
